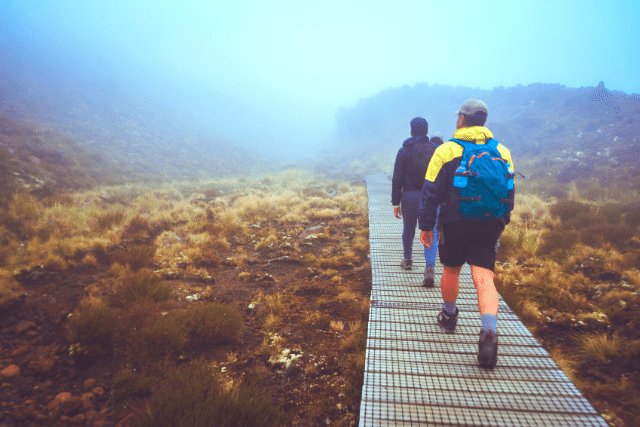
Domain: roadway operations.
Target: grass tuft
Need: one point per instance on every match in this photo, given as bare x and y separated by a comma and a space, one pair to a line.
210, 324
109, 220
91, 329
135, 256
194, 396
142, 285
599, 347
129, 386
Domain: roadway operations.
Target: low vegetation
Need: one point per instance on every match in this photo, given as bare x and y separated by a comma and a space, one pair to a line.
570, 268
256, 289
231, 302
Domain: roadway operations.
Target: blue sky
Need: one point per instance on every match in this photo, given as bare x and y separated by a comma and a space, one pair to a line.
293, 63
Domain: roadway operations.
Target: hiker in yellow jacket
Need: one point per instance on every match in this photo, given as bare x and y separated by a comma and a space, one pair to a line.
463, 240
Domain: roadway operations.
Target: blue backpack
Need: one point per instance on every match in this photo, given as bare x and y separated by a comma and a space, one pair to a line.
484, 180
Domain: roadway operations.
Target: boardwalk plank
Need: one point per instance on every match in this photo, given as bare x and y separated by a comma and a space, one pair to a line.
417, 375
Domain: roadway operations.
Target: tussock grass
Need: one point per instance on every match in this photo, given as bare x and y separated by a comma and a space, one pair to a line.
135, 256
211, 324
337, 325
163, 243
108, 220
194, 396
129, 386
569, 268
142, 285
354, 338
160, 339
91, 329
598, 348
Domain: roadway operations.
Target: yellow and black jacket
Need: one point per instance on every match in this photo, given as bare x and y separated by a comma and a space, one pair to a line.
438, 187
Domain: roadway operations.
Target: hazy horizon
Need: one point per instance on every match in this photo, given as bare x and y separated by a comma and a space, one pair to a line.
271, 76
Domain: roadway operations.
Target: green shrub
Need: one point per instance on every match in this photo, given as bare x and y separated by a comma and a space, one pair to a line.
193, 397
548, 295
559, 191
354, 378
137, 230
568, 210
584, 219
109, 220
557, 244
632, 258
622, 308
91, 330
139, 286
611, 213
44, 232
598, 348
20, 228
510, 244
129, 386
207, 324
24, 207
161, 338
136, 256
632, 217
597, 235
595, 192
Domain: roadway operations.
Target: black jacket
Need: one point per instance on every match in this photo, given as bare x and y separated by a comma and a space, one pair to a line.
401, 180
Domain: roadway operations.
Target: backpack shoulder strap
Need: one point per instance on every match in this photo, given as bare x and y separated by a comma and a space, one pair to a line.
494, 146
461, 142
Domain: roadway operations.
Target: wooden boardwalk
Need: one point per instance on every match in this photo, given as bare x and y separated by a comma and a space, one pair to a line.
417, 375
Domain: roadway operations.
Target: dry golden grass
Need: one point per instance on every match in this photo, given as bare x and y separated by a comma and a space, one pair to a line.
347, 295
590, 282
196, 227
312, 318
337, 325
353, 338
272, 310
267, 241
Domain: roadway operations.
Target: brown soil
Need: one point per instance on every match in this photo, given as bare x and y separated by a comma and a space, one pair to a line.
318, 390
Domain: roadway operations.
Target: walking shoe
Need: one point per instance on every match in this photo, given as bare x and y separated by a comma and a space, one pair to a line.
488, 349
448, 321
406, 264
429, 277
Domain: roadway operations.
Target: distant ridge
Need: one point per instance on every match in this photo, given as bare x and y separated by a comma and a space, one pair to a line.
564, 132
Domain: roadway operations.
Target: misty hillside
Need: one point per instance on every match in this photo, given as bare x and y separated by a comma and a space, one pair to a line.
66, 133
554, 132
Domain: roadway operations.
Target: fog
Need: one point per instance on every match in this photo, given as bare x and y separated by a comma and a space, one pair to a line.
271, 76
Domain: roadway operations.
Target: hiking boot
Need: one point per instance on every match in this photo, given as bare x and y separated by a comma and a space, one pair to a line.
429, 277
448, 321
488, 349
406, 264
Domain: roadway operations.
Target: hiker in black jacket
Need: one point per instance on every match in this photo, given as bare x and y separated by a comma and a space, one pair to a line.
408, 175
436, 139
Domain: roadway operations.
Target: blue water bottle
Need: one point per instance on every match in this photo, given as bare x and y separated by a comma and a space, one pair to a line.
460, 179
510, 177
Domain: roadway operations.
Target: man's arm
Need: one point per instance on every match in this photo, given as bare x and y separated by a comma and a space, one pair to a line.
433, 192
396, 181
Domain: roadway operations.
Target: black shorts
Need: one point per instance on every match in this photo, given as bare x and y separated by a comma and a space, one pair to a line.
473, 242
